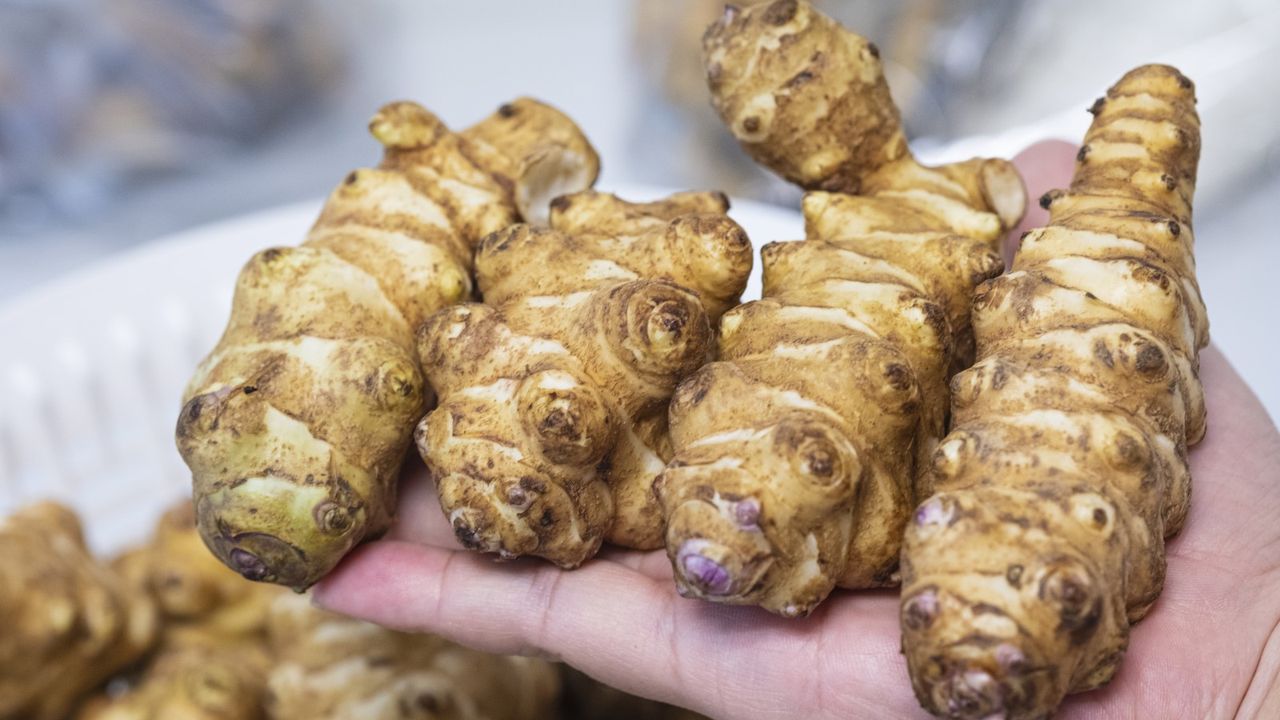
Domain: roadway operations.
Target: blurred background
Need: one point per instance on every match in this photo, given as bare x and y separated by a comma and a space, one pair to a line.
124, 120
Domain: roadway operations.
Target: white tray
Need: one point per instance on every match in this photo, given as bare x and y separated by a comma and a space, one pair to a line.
92, 366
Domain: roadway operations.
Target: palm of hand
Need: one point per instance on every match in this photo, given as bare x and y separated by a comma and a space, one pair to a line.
1209, 647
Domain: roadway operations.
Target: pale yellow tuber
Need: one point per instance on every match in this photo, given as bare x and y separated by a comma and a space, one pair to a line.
70, 622
1066, 466
796, 453
194, 592
334, 668
212, 656
296, 424
552, 418
808, 100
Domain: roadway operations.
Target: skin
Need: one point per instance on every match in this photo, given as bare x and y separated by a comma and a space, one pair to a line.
587, 699
1208, 647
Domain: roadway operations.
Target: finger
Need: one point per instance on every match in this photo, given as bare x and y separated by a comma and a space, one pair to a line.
635, 633
652, 564
1044, 166
1233, 408
1236, 484
420, 519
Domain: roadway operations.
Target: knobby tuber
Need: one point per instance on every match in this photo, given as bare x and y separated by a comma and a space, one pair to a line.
70, 622
194, 592
295, 426
807, 99
215, 679
334, 668
796, 452
230, 649
1066, 466
212, 659
551, 424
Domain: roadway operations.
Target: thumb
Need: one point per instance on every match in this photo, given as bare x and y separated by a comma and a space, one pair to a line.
1046, 165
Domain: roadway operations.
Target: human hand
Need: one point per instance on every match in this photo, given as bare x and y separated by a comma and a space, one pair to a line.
1209, 647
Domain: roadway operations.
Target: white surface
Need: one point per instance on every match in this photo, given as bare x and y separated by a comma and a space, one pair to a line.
93, 365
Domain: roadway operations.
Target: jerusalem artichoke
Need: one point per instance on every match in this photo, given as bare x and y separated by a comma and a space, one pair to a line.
334, 668
196, 595
295, 426
69, 622
1066, 466
219, 679
212, 656
795, 453
552, 417
807, 99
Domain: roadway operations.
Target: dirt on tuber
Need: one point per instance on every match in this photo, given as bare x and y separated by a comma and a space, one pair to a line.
211, 658
296, 424
328, 667
795, 453
217, 678
70, 621
194, 593
1066, 466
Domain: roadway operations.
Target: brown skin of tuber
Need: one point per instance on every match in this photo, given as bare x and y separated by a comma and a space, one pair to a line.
212, 658
1067, 466
551, 423
333, 668
296, 424
218, 679
807, 99
70, 622
196, 595
796, 453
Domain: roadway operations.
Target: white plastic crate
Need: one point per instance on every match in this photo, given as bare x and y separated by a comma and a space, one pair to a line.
92, 366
